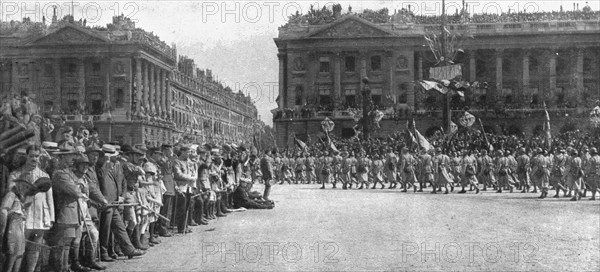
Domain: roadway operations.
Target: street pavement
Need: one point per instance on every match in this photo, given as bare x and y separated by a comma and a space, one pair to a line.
374, 229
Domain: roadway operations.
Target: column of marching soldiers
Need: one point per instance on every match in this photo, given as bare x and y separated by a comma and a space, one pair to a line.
71, 203
570, 171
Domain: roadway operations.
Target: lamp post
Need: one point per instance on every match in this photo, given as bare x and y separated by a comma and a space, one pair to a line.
366, 94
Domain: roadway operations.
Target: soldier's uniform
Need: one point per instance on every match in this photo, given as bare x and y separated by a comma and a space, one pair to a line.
427, 171
468, 166
523, 169
557, 178
391, 164
407, 166
540, 169
441, 164
575, 175
310, 162
486, 173
300, 168
594, 172
377, 171
326, 171
362, 174
504, 173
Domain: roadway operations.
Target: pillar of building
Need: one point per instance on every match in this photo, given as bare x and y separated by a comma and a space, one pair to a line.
337, 77
499, 85
138, 84
420, 65
152, 91
473, 65
552, 74
109, 99
56, 101
163, 92
579, 71
168, 79
525, 70
282, 84
81, 81
145, 86
391, 57
14, 89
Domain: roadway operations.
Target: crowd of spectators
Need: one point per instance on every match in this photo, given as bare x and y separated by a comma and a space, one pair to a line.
71, 200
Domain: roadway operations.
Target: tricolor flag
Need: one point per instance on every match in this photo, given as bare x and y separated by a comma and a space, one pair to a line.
466, 120
300, 144
453, 127
330, 144
423, 143
433, 85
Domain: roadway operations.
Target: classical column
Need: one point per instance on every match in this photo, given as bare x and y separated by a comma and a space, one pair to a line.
168, 76
419, 65
473, 65
14, 88
392, 69
108, 99
525, 77
151, 99
57, 85
282, 84
552, 73
498, 72
81, 81
138, 84
163, 92
579, 71
337, 77
146, 85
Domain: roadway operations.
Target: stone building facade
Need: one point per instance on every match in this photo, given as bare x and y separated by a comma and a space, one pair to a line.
126, 80
524, 64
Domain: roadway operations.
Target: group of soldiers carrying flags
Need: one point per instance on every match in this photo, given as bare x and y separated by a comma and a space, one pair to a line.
402, 164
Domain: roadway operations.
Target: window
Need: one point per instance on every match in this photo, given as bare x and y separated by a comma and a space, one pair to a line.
324, 65
96, 68
298, 93
325, 95
376, 63
350, 64
119, 98
402, 98
376, 100
72, 69
96, 108
350, 97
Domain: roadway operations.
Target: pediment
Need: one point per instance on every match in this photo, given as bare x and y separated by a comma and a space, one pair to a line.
70, 35
350, 27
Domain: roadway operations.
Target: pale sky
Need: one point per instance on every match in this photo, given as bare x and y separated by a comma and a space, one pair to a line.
239, 31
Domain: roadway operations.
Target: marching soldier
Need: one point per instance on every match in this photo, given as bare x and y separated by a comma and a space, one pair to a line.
469, 164
407, 166
327, 174
504, 172
427, 170
310, 162
575, 175
377, 172
523, 169
363, 169
391, 163
486, 171
559, 163
442, 168
594, 172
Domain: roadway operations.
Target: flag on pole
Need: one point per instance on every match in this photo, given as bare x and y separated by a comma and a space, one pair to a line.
467, 119
453, 127
330, 144
327, 125
489, 146
547, 128
429, 85
423, 143
300, 144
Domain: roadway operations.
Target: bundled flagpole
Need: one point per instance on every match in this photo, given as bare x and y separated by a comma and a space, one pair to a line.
547, 127
489, 146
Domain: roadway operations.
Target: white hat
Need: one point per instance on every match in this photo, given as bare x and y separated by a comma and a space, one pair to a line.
110, 150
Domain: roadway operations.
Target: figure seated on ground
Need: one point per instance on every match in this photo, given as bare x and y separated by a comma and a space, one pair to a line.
249, 200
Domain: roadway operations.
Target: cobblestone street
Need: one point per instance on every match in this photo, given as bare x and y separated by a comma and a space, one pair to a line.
334, 230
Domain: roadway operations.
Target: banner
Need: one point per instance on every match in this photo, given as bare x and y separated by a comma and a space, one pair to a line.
423, 143
327, 125
547, 128
445, 72
467, 119
433, 85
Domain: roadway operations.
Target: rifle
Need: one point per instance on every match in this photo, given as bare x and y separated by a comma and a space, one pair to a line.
160, 216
